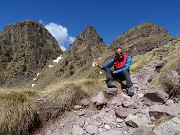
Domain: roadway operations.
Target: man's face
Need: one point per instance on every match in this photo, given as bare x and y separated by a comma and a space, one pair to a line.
119, 53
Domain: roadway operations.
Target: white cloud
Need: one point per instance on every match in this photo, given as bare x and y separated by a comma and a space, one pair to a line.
60, 33
71, 39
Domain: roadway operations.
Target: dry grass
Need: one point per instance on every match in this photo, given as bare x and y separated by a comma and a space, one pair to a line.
61, 89
65, 93
170, 52
68, 93
17, 111
144, 59
156, 83
91, 86
171, 87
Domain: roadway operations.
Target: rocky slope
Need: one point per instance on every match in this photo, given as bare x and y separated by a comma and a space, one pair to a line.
25, 48
152, 110
142, 39
148, 112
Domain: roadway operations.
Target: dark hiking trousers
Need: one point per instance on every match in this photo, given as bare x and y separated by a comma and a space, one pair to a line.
122, 76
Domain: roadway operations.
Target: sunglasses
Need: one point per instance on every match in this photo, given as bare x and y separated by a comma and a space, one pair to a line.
119, 54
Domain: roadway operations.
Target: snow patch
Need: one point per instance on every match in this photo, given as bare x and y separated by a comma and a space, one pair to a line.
51, 65
36, 77
93, 64
58, 58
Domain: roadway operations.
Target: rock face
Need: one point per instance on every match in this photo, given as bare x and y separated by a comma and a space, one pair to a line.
79, 56
141, 39
25, 48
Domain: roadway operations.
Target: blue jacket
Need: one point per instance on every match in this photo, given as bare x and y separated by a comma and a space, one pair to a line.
111, 63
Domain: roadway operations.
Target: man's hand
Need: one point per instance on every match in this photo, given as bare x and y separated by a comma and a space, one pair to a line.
96, 62
114, 72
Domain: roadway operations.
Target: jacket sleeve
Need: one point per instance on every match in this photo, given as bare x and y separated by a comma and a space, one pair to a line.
109, 65
127, 65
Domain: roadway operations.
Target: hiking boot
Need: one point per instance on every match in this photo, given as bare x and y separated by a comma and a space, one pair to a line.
111, 84
130, 91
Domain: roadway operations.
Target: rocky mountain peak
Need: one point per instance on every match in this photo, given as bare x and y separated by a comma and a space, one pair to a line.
142, 38
88, 36
79, 56
25, 48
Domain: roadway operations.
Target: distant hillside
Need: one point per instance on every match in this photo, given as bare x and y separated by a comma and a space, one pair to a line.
25, 48
142, 39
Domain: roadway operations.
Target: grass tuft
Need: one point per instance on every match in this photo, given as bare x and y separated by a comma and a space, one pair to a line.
91, 86
65, 93
17, 112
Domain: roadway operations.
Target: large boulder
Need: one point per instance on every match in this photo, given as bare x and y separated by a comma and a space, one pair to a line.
171, 127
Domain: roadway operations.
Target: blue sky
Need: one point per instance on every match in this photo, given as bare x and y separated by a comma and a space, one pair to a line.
66, 19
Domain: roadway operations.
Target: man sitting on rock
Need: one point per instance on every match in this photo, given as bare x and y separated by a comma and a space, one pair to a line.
121, 64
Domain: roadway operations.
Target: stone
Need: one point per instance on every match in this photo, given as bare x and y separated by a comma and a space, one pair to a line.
143, 130
85, 102
158, 110
112, 132
107, 127
120, 120
124, 112
77, 107
80, 121
99, 99
171, 127
80, 113
147, 101
129, 104
116, 101
135, 121
145, 110
77, 130
156, 95
92, 129
111, 92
